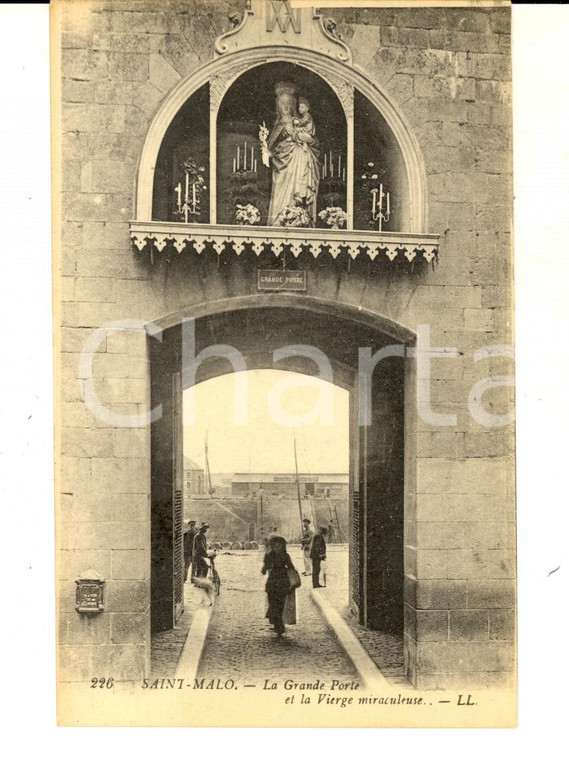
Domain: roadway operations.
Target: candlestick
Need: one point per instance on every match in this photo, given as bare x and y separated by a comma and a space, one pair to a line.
233, 166
339, 161
179, 194
324, 172
245, 156
252, 157
238, 156
377, 213
255, 166
194, 196
344, 174
186, 196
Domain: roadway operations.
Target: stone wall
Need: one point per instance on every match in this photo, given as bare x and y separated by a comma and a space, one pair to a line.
448, 72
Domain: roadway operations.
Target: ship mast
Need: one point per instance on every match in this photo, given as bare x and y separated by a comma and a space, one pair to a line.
207, 470
297, 483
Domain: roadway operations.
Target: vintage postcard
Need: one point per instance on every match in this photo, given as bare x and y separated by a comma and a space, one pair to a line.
285, 415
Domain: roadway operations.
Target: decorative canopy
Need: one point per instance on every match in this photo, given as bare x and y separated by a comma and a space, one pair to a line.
159, 237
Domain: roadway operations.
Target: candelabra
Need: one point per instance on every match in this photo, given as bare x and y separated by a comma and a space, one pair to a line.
334, 167
245, 159
192, 196
380, 214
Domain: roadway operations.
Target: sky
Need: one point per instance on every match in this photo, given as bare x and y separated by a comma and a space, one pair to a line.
275, 405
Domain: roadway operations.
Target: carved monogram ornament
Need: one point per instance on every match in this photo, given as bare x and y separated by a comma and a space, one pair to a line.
276, 22
279, 12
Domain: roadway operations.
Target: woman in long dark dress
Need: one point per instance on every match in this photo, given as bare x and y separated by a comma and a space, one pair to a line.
277, 563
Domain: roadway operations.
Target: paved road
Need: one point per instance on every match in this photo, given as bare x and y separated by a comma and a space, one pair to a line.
385, 649
241, 642
167, 646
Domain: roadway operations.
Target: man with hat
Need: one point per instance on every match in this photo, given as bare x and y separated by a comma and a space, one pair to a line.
189, 537
200, 554
318, 555
305, 542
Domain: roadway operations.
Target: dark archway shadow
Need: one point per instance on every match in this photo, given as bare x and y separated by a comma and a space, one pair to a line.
256, 329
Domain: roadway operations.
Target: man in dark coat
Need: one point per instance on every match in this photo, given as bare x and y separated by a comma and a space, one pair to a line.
317, 555
189, 537
201, 564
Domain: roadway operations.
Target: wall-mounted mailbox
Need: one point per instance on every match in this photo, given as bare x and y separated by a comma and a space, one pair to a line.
89, 592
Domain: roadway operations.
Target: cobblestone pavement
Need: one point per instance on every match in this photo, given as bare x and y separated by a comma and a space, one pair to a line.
240, 639
166, 646
384, 649
241, 642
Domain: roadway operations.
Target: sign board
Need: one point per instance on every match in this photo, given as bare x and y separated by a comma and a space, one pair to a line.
281, 279
89, 595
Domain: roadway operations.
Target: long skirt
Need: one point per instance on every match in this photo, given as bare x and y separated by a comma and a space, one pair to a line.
277, 598
282, 609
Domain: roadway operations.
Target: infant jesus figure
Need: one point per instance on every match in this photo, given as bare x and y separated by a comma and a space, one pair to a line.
303, 125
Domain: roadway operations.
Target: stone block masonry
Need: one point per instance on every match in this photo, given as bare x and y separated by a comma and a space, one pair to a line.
447, 71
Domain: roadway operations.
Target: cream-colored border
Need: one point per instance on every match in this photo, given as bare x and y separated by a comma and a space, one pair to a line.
56, 179
130, 705
28, 679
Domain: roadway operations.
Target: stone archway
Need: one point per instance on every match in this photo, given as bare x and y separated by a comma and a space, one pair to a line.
256, 327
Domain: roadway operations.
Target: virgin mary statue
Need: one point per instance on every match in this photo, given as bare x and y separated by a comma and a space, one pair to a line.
295, 155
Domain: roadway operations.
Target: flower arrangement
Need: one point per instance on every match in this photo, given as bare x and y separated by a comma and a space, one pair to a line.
370, 173
265, 153
333, 217
242, 194
195, 173
191, 198
294, 216
248, 214
372, 177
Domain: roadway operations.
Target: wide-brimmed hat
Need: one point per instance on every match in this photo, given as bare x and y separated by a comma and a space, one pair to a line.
278, 541
306, 519
204, 525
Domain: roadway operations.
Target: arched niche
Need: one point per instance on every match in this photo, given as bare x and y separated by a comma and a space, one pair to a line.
186, 139
249, 102
378, 163
376, 132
